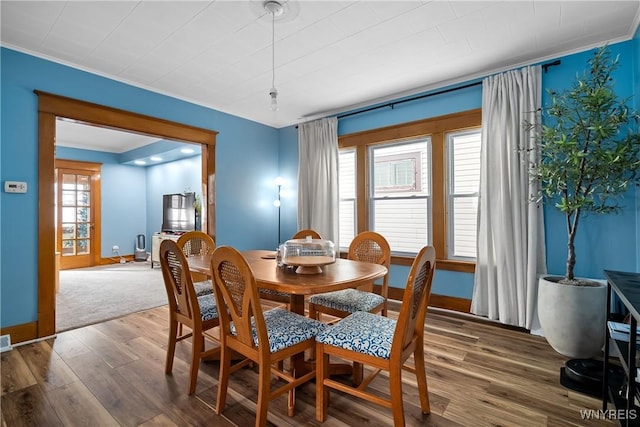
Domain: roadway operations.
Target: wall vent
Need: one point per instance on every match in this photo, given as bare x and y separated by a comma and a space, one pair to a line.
5, 343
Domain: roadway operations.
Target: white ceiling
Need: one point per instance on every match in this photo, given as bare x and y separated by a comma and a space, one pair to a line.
330, 56
80, 135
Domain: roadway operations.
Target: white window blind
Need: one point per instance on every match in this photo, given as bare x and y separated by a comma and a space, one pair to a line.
463, 185
347, 195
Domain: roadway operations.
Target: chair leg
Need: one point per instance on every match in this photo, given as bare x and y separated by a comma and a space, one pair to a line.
421, 377
291, 401
395, 389
196, 349
358, 373
264, 388
223, 379
313, 314
171, 347
291, 394
322, 392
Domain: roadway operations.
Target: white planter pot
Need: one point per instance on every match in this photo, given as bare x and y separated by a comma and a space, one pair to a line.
573, 317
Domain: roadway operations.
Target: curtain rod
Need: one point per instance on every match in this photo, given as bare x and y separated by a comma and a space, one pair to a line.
550, 64
394, 103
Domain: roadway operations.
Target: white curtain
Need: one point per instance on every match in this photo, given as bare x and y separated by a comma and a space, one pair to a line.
318, 177
510, 226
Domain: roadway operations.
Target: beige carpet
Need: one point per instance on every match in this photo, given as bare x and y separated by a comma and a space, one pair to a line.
95, 294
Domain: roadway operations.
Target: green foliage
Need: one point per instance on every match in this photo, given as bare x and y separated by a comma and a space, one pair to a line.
589, 147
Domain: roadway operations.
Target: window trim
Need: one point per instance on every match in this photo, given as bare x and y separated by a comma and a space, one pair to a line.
436, 128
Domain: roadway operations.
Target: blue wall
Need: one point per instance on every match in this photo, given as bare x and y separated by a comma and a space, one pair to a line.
603, 241
246, 164
288, 155
185, 177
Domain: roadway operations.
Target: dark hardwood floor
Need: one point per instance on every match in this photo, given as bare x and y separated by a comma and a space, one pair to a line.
112, 374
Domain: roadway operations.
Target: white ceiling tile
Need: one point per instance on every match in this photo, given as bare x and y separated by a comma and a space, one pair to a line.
462, 27
386, 9
28, 21
67, 48
100, 16
22, 12
21, 37
329, 55
503, 14
547, 14
355, 18
463, 8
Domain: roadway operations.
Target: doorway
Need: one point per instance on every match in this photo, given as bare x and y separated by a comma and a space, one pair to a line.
77, 213
50, 108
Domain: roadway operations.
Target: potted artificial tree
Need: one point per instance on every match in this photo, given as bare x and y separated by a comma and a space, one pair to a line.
589, 157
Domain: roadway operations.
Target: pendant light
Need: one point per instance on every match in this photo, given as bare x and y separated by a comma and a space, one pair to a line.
275, 9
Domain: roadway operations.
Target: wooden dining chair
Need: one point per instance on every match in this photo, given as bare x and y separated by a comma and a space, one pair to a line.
266, 338
302, 234
367, 246
198, 243
199, 314
382, 343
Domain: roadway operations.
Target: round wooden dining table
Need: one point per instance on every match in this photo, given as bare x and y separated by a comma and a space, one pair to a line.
342, 274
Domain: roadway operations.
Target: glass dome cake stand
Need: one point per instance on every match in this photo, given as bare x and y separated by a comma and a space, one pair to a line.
308, 255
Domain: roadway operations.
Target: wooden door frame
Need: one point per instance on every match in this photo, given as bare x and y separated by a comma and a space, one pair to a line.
50, 107
95, 169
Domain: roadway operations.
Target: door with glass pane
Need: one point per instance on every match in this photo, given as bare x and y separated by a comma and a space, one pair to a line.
77, 209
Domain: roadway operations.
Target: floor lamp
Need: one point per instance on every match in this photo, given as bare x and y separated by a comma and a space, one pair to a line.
279, 182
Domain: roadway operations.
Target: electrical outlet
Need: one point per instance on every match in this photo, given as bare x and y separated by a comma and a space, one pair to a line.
115, 248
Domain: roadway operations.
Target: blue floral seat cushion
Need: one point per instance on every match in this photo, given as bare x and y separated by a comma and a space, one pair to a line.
286, 329
348, 300
203, 288
208, 308
363, 332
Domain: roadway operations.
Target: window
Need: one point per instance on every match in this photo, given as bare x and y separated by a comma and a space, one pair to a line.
415, 183
347, 194
397, 173
400, 198
464, 182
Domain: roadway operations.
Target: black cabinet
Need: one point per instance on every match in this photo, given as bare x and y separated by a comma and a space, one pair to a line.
626, 286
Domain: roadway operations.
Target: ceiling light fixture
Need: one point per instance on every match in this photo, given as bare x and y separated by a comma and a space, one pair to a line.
275, 9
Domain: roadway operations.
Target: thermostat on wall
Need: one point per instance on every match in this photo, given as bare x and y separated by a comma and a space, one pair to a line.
15, 187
